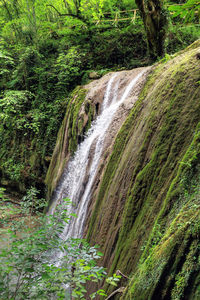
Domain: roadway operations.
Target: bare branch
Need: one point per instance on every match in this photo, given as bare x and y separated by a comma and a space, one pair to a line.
120, 290
120, 273
68, 14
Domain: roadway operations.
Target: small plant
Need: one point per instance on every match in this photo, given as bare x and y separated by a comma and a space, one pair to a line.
2, 193
30, 203
166, 58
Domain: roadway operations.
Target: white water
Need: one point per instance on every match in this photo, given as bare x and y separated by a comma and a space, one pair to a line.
80, 173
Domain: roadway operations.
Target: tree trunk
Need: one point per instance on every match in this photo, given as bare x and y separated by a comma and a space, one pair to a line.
155, 23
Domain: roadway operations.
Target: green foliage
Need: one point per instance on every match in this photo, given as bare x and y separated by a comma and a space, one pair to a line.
47, 48
179, 36
69, 67
36, 263
166, 58
7, 65
14, 107
189, 11
13, 169
113, 280
44, 54
2, 194
25, 75
31, 203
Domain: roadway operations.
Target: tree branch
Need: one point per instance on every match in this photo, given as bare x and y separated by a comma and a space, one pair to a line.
120, 290
68, 14
120, 273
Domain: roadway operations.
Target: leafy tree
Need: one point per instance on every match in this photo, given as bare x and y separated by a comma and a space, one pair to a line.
49, 47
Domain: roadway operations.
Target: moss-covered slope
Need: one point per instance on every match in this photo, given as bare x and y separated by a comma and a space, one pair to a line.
78, 117
146, 215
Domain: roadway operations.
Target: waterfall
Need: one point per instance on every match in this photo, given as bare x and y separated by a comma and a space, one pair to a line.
79, 175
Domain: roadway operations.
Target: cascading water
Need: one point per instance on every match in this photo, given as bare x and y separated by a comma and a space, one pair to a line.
78, 178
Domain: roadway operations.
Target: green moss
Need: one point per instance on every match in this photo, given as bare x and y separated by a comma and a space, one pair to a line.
120, 143
79, 115
74, 121
168, 269
67, 139
20, 164
170, 143
146, 180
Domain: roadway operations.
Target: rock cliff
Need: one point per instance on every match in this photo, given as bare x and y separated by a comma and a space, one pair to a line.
147, 210
144, 209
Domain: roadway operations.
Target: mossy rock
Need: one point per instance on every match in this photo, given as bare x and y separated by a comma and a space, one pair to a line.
79, 114
148, 187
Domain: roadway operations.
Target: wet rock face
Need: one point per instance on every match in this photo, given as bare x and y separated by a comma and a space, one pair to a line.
84, 106
145, 210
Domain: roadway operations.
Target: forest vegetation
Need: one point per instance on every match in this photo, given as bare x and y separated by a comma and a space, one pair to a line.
48, 51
